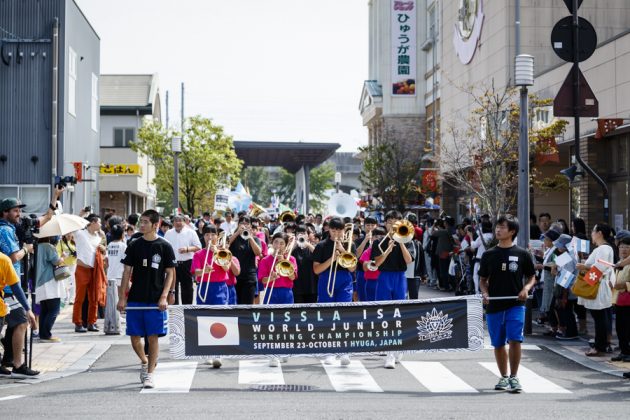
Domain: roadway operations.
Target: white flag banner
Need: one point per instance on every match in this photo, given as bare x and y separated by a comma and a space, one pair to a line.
217, 331
564, 259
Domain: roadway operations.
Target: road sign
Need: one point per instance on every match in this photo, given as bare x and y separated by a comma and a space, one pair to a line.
563, 106
562, 39
569, 4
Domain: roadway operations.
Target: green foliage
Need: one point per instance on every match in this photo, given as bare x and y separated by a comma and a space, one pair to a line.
321, 179
255, 179
391, 170
207, 161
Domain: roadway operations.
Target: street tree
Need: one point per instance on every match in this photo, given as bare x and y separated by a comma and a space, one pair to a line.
321, 179
207, 162
481, 157
391, 170
256, 180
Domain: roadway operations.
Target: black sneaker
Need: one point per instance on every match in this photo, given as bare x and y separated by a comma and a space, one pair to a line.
4, 372
93, 328
563, 336
80, 329
23, 372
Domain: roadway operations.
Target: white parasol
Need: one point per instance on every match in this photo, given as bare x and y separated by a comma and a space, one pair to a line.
61, 224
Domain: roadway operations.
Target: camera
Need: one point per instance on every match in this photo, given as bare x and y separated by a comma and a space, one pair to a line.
28, 226
63, 181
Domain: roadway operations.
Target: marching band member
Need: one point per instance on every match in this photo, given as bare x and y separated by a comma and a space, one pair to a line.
233, 272
392, 258
370, 225
337, 280
370, 268
211, 276
305, 285
246, 251
278, 288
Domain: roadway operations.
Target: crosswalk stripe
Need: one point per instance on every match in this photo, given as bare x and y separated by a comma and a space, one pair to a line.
523, 347
353, 377
531, 382
172, 377
258, 372
12, 397
436, 377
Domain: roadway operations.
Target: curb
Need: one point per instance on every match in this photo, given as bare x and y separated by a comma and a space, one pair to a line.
586, 362
80, 366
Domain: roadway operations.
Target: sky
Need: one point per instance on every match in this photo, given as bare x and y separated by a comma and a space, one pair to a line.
266, 70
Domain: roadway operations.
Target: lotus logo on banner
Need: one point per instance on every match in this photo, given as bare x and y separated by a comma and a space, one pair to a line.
217, 331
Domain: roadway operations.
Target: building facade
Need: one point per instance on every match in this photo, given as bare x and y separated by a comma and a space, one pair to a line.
126, 177
49, 77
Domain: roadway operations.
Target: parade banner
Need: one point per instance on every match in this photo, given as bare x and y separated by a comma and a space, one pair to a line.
403, 34
248, 331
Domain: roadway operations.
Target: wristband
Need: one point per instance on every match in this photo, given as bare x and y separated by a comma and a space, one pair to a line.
53, 208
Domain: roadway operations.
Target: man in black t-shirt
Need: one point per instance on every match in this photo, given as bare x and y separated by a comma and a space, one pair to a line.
150, 266
391, 258
246, 252
502, 272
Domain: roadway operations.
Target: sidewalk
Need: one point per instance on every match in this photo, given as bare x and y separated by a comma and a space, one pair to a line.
74, 354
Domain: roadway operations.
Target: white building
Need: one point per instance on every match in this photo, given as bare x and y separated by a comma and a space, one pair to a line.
126, 177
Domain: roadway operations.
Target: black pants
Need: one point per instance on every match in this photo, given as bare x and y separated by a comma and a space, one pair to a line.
622, 324
47, 316
443, 276
245, 292
413, 284
305, 297
566, 318
601, 337
185, 281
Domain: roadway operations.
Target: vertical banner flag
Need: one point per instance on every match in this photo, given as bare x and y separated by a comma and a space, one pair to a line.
247, 331
403, 21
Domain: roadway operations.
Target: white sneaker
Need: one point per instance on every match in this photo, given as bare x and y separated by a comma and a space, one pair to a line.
216, 363
398, 357
148, 381
390, 362
274, 362
144, 371
329, 360
345, 360
284, 359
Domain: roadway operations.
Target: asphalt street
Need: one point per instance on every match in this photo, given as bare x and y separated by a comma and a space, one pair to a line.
439, 385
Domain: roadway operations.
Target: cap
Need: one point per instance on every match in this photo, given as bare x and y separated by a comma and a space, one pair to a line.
622, 234
552, 235
562, 241
11, 203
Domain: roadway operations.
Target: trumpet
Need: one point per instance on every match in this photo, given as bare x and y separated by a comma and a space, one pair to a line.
371, 265
245, 235
301, 242
347, 259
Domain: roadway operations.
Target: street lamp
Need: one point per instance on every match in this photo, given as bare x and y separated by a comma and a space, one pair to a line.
176, 148
523, 77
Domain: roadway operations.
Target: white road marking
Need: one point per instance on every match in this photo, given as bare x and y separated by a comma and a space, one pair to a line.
258, 372
532, 383
172, 377
12, 397
523, 347
354, 377
436, 377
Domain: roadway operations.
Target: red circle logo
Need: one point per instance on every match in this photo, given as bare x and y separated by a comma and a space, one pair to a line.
218, 330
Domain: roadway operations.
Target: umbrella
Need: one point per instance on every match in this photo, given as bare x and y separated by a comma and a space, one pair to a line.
61, 224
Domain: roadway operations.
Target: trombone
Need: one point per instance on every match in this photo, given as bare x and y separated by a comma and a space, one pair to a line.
346, 260
402, 232
282, 267
222, 258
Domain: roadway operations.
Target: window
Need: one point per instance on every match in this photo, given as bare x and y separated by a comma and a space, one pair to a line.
124, 136
433, 29
36, 197
94, 106
72, 82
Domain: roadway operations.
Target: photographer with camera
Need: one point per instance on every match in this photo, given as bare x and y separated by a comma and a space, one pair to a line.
20, 313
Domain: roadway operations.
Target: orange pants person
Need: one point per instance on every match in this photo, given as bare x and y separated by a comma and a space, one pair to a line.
84, 284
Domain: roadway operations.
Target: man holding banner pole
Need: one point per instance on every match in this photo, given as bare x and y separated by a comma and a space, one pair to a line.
150, 265
502, 272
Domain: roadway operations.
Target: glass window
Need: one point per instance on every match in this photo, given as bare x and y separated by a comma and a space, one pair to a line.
36, 198
129, 136
7, 191
118, 137
72, 81
94, 104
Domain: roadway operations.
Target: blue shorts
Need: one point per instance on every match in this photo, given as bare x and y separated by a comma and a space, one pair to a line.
146, 322
215, 293
279, 295
370, 290
361, 285
506, 326
342, 291
231, 295
391, 285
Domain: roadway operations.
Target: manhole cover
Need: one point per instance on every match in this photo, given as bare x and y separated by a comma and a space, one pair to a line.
283, 388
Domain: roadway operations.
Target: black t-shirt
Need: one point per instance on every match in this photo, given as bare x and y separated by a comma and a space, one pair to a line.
505, 269
149, 260
324, 249
357, 244
242, 250
306, 281
394, 261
